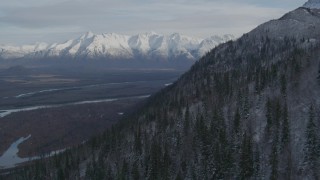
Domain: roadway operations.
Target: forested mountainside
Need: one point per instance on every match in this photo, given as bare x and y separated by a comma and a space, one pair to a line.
249, 109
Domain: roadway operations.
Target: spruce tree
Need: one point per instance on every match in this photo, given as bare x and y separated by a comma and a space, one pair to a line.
283, 82
311, 145
274, 161
285, 138
137, 141
269, 115
246, 159
236, 123
257, 167
135, 171
186, 125
155, 157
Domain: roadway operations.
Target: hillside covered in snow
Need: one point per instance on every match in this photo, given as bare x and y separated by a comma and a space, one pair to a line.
312, 4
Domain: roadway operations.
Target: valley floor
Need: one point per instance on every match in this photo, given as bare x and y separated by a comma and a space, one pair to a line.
57, 110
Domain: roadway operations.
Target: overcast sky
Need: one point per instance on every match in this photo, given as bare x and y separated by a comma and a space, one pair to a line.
30, 21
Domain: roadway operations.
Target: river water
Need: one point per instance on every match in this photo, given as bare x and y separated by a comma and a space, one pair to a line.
10, 158
6, 112
75, 88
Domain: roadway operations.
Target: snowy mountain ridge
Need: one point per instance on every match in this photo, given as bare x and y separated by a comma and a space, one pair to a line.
111, 45
312, 4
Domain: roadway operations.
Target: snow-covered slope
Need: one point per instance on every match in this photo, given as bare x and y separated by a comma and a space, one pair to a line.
207, 44
312, 4
151, 46
9, 52
300, 23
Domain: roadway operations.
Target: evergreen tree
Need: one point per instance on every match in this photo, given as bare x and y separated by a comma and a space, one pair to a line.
246, 107
60, 174
223, 148
283, 82
135, 171
274, 161
257, 164
109, 175
285, 144
236, 122
187, 121
246, 159
269, 115
318, 77
124, 170
278, 114
155, 155
137, 141
285, 138
311, 145
179, 176
166, 161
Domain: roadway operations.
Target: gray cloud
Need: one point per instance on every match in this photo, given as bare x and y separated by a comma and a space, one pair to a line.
46, 20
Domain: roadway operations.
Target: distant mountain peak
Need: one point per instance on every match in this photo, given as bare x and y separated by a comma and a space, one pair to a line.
312, 4
149, 45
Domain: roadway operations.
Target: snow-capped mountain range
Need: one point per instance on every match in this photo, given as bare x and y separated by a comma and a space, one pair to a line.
312, 4
114, 46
